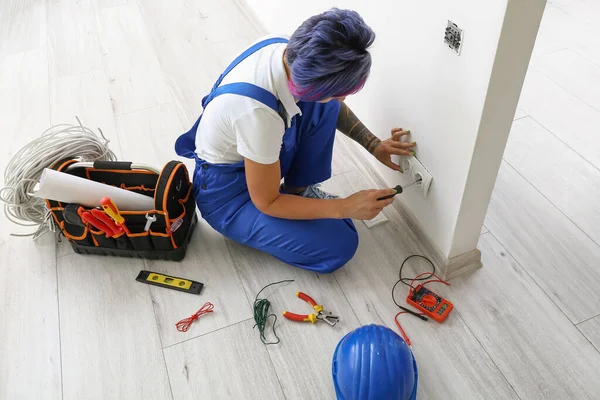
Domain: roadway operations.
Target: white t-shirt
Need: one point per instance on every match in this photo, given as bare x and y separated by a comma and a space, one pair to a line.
235, 127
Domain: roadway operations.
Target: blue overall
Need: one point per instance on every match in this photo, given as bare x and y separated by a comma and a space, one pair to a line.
221, 192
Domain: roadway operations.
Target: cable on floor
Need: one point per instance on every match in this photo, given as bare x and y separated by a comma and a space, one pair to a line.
184, 324
261, 314
25, 169
404, 335
420, 277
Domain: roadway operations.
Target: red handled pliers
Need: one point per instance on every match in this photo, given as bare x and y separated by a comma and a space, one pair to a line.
320, 315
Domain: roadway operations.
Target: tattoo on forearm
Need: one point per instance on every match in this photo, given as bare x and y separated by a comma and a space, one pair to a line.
349, 124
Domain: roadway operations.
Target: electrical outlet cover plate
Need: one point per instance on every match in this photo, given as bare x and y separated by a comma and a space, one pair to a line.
415, 171
379, 219
454, 37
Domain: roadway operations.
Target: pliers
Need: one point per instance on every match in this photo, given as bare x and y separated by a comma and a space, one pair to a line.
320, 315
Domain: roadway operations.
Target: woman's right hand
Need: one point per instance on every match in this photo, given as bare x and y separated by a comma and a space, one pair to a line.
364, 204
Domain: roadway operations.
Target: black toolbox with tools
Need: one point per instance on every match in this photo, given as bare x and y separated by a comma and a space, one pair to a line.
162, 233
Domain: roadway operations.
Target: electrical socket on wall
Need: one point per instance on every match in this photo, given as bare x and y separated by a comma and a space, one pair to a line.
416, 171
453, 37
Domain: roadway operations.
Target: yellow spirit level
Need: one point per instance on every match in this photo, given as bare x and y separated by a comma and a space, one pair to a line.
169, 282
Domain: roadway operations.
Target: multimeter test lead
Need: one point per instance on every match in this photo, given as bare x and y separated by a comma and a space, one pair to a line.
421, 316
426, 301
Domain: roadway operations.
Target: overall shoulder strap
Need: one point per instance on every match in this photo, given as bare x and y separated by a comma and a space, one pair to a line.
248, 52
249, 90
185, 145
246, 89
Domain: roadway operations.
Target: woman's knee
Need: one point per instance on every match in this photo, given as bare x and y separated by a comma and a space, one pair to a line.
342, 250
321, 246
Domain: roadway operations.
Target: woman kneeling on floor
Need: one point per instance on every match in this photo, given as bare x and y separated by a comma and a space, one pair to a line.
273, 114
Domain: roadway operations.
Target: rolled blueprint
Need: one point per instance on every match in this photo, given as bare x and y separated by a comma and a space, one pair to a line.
67, 188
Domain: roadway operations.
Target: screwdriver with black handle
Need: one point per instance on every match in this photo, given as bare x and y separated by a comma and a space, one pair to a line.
397, 190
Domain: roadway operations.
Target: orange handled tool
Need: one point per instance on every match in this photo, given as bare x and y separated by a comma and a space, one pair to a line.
111, 209
89, 218
106, 220
320, 315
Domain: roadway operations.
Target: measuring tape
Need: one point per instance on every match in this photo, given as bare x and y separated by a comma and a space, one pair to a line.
169, 282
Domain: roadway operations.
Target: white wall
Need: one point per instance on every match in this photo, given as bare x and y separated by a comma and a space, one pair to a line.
418, 83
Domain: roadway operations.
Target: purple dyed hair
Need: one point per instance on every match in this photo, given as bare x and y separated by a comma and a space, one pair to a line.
327, 55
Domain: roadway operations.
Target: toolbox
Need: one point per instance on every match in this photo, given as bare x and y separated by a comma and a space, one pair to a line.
162, 233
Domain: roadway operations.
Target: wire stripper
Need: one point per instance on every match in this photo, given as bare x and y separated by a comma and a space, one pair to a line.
321, 315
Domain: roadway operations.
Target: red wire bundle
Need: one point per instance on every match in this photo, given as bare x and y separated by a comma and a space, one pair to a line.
184, 324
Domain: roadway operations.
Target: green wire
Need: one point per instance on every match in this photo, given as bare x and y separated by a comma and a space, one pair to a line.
261, 314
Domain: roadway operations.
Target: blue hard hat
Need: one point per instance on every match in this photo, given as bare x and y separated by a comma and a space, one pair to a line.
374, 363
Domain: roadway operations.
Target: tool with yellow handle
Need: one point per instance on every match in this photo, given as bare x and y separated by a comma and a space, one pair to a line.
111, 209
320, 315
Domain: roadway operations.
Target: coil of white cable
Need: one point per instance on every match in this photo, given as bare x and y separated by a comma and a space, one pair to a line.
24, 170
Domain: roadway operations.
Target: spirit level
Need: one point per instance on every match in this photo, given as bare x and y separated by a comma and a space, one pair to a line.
169, 282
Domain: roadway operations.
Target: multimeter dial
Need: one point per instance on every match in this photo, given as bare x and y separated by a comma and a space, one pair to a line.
426, 299
429, 303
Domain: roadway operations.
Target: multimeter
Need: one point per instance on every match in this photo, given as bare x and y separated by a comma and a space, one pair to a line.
430, 303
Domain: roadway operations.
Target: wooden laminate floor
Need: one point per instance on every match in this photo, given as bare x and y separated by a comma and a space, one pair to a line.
526, 326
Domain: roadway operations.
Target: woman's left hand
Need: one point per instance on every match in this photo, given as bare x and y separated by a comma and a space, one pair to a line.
393, 146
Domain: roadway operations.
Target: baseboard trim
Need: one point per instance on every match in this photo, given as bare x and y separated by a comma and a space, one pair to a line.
447, 268
463, 264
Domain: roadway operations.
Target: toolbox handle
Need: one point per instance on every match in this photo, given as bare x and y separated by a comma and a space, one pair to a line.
116, 165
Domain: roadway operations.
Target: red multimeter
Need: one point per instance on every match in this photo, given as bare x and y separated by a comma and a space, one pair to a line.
430, 303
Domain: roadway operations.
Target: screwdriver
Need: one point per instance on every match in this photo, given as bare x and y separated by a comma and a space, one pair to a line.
417, 181
397, 190
111, 209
